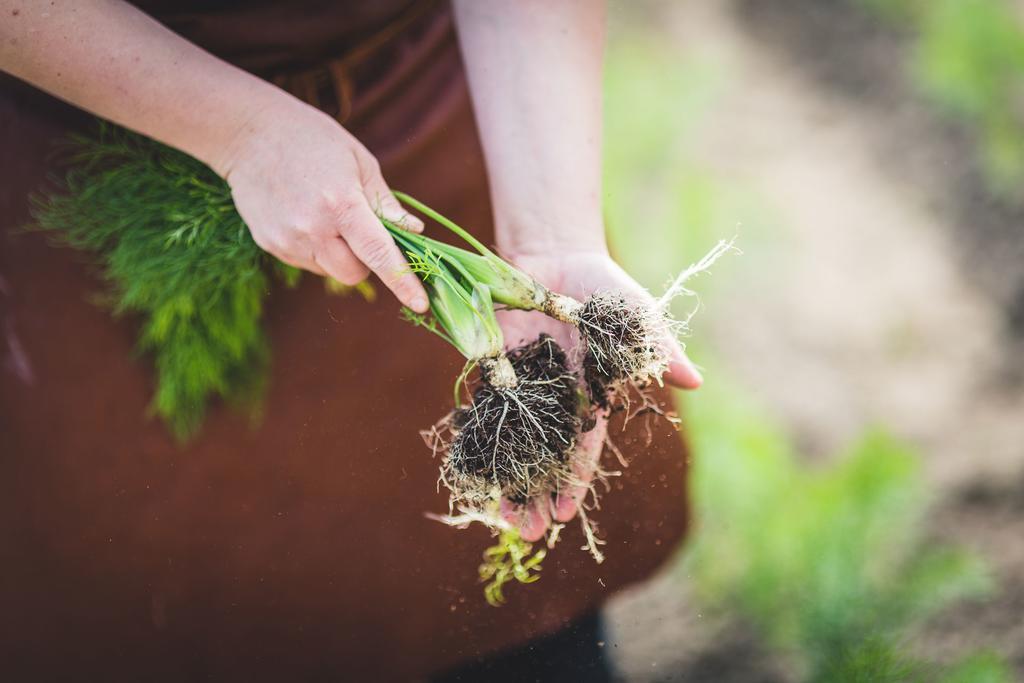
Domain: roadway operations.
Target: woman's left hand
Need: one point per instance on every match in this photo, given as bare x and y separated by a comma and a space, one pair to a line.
577, 274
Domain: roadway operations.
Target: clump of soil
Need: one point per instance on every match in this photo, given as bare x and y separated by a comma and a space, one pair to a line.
621, 346
519, 439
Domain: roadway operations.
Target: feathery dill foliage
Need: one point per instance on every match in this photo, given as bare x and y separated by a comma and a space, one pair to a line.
175, 252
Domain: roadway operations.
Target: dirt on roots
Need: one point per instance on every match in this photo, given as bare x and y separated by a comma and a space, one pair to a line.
619, 344
521, 439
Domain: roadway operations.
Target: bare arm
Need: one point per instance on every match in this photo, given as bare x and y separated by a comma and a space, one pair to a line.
535, 71
305, 187
117, 62
535, 75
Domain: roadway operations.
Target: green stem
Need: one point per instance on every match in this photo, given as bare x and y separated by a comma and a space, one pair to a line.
508, 285
450, 224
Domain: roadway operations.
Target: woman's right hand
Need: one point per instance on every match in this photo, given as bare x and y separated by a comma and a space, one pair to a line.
310, 194
306, 188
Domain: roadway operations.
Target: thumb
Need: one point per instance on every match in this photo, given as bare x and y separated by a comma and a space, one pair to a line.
681, 373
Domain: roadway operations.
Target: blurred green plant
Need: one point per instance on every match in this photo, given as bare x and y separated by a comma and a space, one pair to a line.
877, 661
968, 56
656, 192
830, 564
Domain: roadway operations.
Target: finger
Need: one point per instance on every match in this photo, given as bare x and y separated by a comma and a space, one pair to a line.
681, 373
303, 263
511, 512
372, 244
568, 502
338, 261
388, 207
589, 449
293, 256
381, 199
535, 522
532, 519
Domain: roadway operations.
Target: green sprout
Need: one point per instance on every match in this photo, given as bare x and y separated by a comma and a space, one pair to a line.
507, 284
508, 560
461, 307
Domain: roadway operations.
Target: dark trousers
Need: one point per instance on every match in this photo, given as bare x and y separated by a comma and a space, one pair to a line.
575, 653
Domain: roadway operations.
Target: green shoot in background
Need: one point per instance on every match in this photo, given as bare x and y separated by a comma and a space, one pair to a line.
831, 565
967, 56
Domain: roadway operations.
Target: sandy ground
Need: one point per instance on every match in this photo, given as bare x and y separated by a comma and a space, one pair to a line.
864, 311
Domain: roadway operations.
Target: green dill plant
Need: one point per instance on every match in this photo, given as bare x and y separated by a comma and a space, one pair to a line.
176, 255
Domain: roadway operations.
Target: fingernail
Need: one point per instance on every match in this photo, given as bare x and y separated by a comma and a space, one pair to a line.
694, 370
685, 367
698, 378
410, 222
419, 304
403, 219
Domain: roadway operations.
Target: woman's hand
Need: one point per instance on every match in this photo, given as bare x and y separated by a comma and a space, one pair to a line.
577, 274
310, 194
306, 188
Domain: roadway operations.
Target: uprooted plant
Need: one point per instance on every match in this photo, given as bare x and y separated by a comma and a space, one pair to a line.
626, 340
627, 344
516, 435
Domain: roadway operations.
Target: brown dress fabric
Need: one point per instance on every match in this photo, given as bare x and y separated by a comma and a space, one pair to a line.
296, 549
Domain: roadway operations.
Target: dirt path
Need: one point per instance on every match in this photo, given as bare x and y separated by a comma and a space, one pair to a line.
858, 311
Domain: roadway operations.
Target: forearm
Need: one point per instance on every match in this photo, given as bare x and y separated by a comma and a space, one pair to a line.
535, 74
111, 59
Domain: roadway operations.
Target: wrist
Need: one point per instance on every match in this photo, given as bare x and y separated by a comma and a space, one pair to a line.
528, 236
267, 109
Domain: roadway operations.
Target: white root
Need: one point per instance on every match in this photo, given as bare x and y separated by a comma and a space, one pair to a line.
500, 372
677, 288
561, 307
467, 515
590, 534
553, 533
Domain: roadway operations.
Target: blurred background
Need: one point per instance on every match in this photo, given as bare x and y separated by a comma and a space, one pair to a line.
858, 469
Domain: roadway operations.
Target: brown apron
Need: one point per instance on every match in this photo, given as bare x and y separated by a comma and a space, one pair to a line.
296, 549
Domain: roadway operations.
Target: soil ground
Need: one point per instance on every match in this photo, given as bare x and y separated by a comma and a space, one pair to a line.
893, 297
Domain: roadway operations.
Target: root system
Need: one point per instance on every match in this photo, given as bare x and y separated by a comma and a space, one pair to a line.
628, 342
625, 343
515, 442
